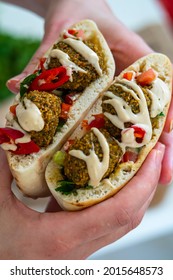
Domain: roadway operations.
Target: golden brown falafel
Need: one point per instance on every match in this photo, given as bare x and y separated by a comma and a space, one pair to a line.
50, 108
76, 170
80, 80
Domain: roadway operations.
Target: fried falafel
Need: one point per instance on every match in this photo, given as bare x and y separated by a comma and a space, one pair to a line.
80, 80
117, 90
50, 108
76, 170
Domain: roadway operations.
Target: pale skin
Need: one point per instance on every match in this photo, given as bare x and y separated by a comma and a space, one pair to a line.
55, 234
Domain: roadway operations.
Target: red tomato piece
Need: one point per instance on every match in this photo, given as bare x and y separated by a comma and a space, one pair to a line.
65, 108
128, 76
146, 78
130, 156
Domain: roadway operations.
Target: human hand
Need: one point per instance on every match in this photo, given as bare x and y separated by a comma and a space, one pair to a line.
27, 234
126, 47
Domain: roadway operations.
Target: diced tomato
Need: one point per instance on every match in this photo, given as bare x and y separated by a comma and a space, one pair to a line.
128, 76
138, 133
70, 98
129, 156
65, 108
76, 33
13, 109
68, 144
146, 78
85, 125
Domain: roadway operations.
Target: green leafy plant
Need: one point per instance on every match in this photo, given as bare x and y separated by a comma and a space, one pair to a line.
15, 53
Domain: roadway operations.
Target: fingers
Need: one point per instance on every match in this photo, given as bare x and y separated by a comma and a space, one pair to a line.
116, 234
5, 176
167, 164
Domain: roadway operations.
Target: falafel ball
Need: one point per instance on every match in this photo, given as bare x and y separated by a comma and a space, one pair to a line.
117, 90
80, 80
76, 169
50, 108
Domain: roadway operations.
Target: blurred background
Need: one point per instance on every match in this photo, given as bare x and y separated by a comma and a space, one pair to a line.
20, 34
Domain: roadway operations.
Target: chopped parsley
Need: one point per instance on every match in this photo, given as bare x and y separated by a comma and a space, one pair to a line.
60, 125
161, 114
68, 187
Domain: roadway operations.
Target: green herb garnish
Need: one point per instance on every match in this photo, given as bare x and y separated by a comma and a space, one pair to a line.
161, 114
66, 187
25, 83
89, 187
60, 125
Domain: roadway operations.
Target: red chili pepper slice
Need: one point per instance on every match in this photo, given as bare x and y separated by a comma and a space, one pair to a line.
9, 135
71, 98
50, 79
27, 148
98, 122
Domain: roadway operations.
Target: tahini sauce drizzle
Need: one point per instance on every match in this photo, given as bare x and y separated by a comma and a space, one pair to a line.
159, 95
96, 168
64, 59
125, 114
86, 52
12, 123
29, 116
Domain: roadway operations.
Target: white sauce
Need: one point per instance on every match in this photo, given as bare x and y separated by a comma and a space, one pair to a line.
68, 35
125, 114
13, 124
64, 59
96, 169
159, 95
29, 116
86, 52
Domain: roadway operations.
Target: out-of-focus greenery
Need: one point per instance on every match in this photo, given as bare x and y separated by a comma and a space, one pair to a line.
15, 53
